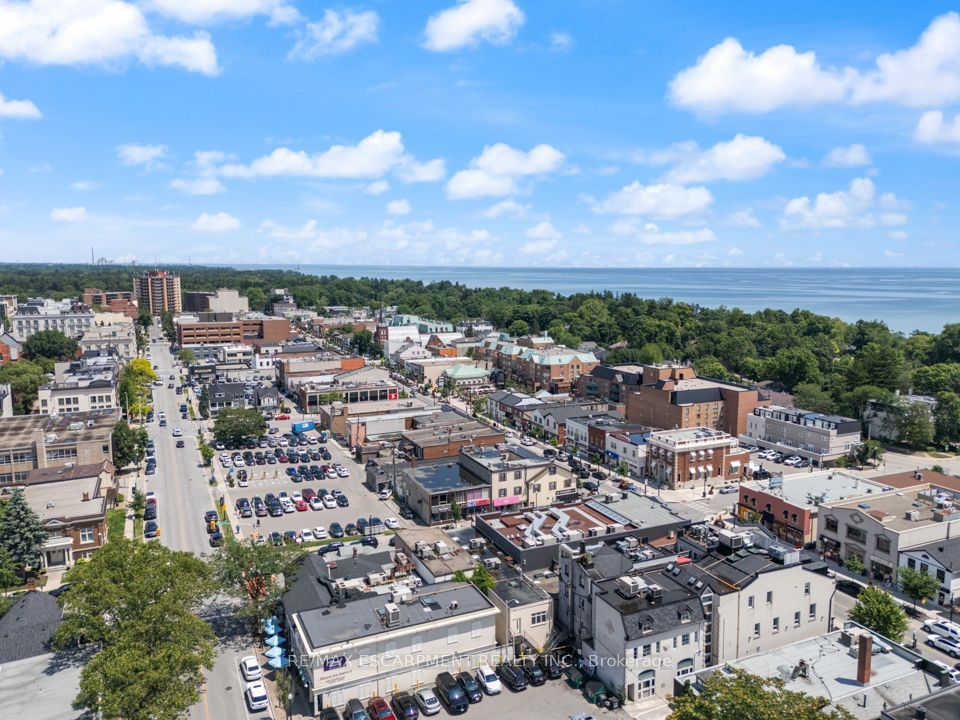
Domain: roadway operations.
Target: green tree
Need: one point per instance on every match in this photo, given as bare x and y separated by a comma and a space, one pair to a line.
144, 318
878, 610
742, 696
710, 366
138, 605
946, 346
257, 298
206, 453
456, 511
876, 364
8, 574
362, 343
793, 366
129, 444
650, 354
21, 533
250, 573
203, 403
138, 503
917, 584
519, 328
946, 419
915, 428
855, 564
937, 378
166, 322
482, 579
186, 356
25, 378
238, 423
868, 451
49, 345
811, 396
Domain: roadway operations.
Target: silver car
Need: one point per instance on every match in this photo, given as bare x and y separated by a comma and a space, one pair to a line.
428, 701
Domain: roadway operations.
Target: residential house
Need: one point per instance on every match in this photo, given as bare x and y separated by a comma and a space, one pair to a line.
511, 408
10, 348
267, 398
940, 559
225, 395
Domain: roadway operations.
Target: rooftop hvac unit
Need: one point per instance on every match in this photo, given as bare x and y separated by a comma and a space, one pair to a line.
420, 545
630, 586
655, 591
401, 594
491, 563
632, 542
614, 528
912, 515
392, 614
593, 532
477, 543
375, 578
441, 547
731, 540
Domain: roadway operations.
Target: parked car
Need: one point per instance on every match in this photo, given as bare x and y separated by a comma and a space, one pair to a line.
330, 547
944, 628
354, 710
391, 523
336, 530
378, 709
470, 686
728, 489
276, 538
151, 529
533, 671
250, 668
215, 539
451, 694
256, 694
512, 676
551, 664
944, 644
427, 700
404, 706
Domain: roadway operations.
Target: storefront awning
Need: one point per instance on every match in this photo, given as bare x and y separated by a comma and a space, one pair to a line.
734, 464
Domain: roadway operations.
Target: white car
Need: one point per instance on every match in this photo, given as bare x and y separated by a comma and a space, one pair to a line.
284, 442
331, 474
427, 700
385, 494
527, 442
177, 432
306, 535
151, 496
296, 496
256, 694
288, 506
250, 668
316, 503
319, 532
488, 680
943, 628
238, 462
391, 523
329, 502
244, 481
343, 472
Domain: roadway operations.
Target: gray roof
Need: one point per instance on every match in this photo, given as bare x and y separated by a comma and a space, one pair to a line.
363, 617
945, 552
516, 591
26, 628
662, 614
438, 477
942, 704
312, 586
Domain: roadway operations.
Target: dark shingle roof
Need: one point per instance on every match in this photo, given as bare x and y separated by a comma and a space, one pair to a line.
26, 629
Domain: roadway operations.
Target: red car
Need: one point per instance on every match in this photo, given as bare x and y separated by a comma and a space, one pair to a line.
281, 458
301, 505
379, 710
308, 493
281, 417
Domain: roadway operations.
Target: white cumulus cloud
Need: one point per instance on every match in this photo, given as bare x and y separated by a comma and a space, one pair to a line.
218, 223
68, 214
198, 186
146, 156
855, 155
411, 171
561, 42
84, 185
544, 231
647, 233
471, 22
336, 33
201, 12
399, 207
378, 187
506, 207
745, 157
663, 200
495, 171
18, 109
95, 32
934, 129
850, 208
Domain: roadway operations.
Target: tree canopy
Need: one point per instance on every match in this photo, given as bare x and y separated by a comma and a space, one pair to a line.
129, 444
878, 610
49, 345
251, 573
21, 533
237, 423
25, 378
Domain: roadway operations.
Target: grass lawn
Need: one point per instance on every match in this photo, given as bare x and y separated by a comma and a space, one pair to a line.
116, 519
137, 528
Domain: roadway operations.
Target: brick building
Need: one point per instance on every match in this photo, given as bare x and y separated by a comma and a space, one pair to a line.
158, 291
535, 361
118, 301
686, 458
612, 383
672, 396
223, 329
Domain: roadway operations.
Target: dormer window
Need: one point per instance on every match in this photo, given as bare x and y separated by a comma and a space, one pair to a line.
685, 615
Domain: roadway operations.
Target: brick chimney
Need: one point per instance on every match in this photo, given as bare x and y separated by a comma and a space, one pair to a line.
864, 658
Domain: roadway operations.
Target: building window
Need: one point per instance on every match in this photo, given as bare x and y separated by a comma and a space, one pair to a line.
911, 563
769, 597
552, 486
416, 643
647, 650
756, 630
806, 588
685, 639
536, 488
538, 618
796, 619
857, 534
86, 535
831, 524
883, 544
685, 667
647, 684
776, 624
750, 601
941, 576
502, 492
517, 490
476, 629
452, 634
813, 611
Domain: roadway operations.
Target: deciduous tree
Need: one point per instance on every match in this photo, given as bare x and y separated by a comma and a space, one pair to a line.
878, 610
25, 378
915, 428
917, 584
129, 445
49, 344
237, 423
251, 573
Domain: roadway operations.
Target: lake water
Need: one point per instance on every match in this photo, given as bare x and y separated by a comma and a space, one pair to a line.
906, 299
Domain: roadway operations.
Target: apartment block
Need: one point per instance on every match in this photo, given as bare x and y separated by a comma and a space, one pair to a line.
222, 300
118, 301
121, 337
81, 386
536, 361
612, 383
818, 437
158, 291
28, 442
672, 396
695, 456
68, 316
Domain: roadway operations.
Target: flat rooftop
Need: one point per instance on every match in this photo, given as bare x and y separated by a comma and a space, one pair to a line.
895, 677
439, 476
556, 524
382, 407
518, 591
830, 486
640, 510
691, 436
64, 499
890, 508
446, 563
20, 430
944, 704
444, 436
364, 618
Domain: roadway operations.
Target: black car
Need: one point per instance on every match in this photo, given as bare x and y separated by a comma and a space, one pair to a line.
328, 714
534, 672
404, 706
210, 516
336, 530
451, 694
406, 513
276, 538
216, 539
591, 486
470, 686
849, 587
180, 444
370, 540
150, 513
276, 510
329, 548
598, 474
343, 501
151, 529
351, 529
512, 676
551, 665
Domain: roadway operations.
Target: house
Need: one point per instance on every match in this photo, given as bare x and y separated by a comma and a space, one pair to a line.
815, 436
267, 398
27, 627
510, 408
225, 395
671, 396
883, 420
408, 352
940, 559
552, 418
688, 457
72, 504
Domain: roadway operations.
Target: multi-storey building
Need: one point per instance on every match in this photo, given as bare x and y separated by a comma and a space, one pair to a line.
671, 396
612, 383
121, 337
82, 385
693, 456
511, 408
72, 504
68, 316
28, 442
227, 329
877, 528
119, 301
8, 304
536, 361
474, 328
941, 559
158, 291
225, 395
815, 436
519, 478
630, 448
223, 300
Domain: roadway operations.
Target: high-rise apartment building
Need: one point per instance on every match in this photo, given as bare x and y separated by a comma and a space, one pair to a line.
158, 291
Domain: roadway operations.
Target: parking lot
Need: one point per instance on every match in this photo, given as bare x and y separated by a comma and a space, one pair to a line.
555, 699
265, 479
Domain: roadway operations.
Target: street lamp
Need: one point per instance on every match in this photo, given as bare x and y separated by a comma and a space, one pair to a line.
289, 703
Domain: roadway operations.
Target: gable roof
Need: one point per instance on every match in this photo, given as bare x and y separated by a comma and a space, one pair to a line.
26, 628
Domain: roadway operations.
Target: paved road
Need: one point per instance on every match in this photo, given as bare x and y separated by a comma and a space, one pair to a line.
183, 496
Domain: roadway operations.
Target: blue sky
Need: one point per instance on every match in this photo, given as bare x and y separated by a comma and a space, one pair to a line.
480, 132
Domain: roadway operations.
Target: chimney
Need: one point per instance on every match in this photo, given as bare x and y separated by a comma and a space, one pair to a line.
86, 497
864, 658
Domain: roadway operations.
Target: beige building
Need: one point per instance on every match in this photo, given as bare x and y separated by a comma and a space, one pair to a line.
526, 613
67, 316
28, 442
815, 436
517, 477
116, 336
81, 386
876, 528
158, 291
